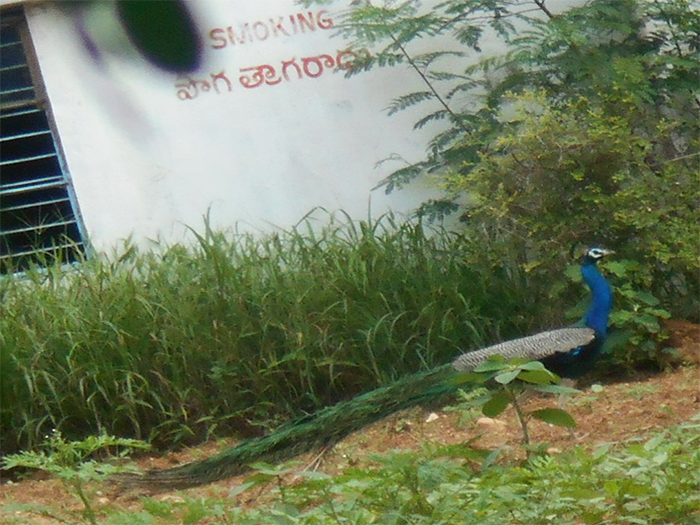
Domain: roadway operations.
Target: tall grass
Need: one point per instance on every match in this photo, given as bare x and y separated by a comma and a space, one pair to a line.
239, 331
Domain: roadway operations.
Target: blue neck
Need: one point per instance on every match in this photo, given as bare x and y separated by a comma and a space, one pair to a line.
601, 303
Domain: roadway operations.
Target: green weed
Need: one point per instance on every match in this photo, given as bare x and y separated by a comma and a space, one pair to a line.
177, 344
651, 482
73, 464
507, 381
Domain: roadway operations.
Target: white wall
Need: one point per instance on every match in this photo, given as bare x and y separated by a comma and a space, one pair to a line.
145, 160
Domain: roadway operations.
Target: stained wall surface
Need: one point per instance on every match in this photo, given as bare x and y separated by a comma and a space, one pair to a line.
267, 130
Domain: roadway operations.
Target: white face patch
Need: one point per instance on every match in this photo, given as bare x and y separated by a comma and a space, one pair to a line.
596, 253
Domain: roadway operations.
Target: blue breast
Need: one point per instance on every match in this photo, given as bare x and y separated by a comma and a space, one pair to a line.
601, 301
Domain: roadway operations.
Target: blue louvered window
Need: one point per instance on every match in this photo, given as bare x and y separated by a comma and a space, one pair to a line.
39, 222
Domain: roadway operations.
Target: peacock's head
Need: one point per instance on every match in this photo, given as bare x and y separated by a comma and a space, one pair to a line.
595, 253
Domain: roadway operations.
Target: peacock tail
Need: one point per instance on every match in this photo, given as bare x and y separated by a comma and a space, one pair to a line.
298, 436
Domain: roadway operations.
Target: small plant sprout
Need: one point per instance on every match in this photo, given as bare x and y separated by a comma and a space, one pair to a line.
507, 381
71, 462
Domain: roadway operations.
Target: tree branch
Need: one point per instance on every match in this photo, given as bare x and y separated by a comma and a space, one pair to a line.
543, 8
464, 17
456, 118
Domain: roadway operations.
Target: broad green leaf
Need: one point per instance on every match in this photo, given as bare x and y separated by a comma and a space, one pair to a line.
647, 298
602, 451
616, 340
573, 273
496, 405
581, 493
532, 365
518, 361
240, 489
660, 458
538, 377
659, 312
507, 377
619, 268
555, 416
271, 470
650, 322
612, 487
554, 389
491, 366
654, 442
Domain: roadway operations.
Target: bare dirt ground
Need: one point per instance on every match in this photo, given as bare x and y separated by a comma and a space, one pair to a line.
636, 407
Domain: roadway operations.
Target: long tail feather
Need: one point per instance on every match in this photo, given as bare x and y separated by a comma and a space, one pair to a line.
332, 424
302, 435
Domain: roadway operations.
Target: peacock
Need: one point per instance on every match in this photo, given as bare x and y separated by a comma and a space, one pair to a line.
569, 352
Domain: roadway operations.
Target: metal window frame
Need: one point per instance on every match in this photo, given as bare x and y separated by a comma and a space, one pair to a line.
16, 16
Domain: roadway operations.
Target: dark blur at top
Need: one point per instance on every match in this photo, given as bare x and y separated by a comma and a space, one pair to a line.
164, 32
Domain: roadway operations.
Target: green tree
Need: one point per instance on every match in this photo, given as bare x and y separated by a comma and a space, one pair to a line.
583, 129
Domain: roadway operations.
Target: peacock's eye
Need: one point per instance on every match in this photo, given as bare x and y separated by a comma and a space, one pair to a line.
596, 253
